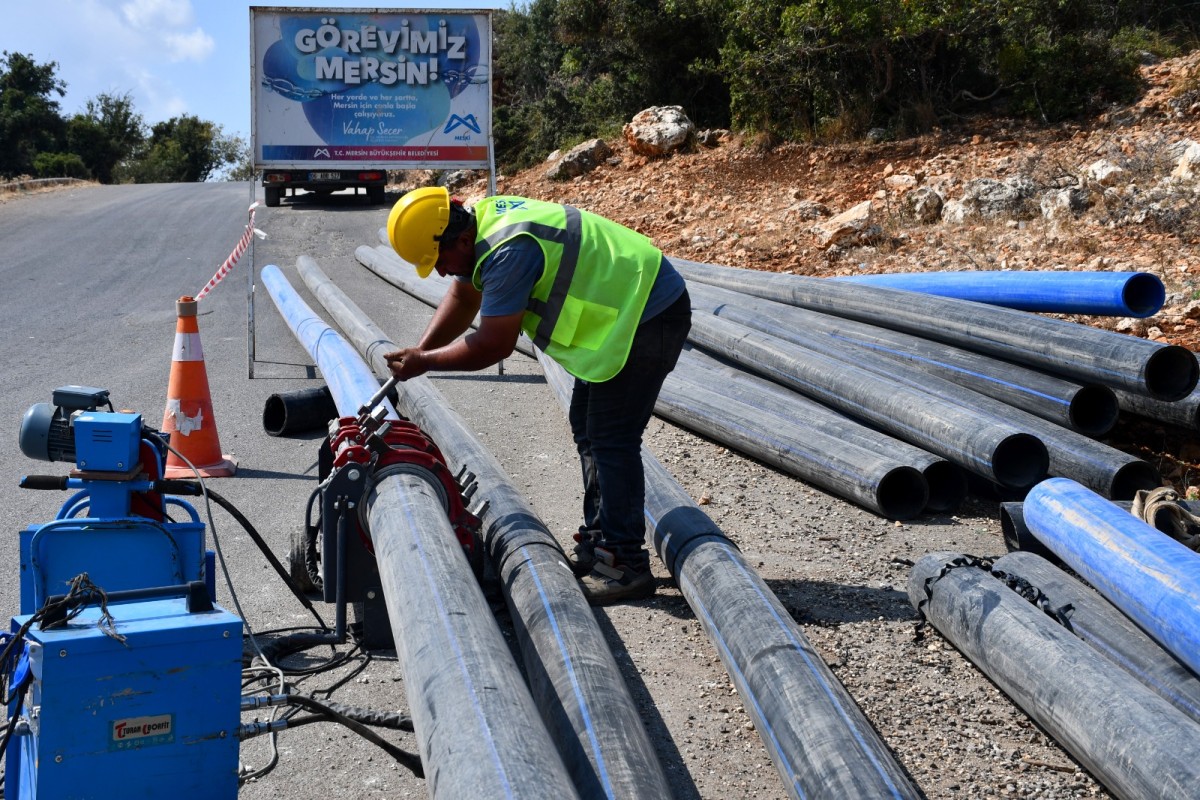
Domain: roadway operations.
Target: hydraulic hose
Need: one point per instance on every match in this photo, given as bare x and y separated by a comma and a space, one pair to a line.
1149, 576
1100, 624
1086, 354
1090, 409
1105, 469
1134, 742
877, 482
477, 727
946, 481
819, 740
1118, 294
989, 447
572, 673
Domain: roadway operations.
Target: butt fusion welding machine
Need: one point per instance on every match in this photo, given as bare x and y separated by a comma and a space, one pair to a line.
359, 453
122, 676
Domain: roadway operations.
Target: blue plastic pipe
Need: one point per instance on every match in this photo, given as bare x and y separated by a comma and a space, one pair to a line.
350, 381
1116, 294
1152, 578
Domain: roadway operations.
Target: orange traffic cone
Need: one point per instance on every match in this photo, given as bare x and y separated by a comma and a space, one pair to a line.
189, 415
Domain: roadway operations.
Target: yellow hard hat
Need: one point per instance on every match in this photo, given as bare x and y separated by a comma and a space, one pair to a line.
416, 222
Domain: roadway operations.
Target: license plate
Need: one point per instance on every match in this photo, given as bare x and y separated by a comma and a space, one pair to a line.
324, 176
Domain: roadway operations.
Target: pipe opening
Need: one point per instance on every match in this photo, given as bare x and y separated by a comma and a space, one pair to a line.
947, 486
1171, 373
1094, 410
1143, 294
1132, 478
1020, 461
902, 493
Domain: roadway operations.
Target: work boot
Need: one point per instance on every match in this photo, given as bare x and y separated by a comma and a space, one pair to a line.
611, 582
583, 556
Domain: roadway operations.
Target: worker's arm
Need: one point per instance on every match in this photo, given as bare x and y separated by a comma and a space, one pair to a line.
495, 340
453, 315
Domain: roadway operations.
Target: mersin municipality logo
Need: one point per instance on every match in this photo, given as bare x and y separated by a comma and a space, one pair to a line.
455, 122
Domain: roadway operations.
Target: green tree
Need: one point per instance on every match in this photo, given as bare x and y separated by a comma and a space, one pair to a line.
184, 149
30, 122
106, 134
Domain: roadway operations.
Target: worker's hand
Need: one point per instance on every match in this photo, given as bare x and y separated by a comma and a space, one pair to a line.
406, 363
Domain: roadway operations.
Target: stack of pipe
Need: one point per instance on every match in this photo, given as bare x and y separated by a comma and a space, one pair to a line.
949, 375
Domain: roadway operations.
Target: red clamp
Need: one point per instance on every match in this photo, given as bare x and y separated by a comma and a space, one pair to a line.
405, 443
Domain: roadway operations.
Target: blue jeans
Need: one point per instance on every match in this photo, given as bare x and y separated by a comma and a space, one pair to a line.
608, 419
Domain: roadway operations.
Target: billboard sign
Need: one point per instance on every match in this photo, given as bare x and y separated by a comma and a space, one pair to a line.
356, 87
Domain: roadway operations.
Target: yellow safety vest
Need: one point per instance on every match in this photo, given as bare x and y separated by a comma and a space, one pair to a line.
586, 306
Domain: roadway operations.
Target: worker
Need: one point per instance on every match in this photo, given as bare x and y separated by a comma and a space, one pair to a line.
596, 297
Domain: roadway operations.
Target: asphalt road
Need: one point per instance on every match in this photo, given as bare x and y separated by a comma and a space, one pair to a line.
90, 279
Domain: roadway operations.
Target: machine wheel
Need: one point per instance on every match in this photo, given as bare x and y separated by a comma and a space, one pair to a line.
377, 195
272, 196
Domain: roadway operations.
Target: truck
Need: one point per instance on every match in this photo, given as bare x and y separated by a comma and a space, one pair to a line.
341, 96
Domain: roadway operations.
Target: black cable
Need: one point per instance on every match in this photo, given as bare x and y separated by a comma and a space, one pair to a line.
409, 760
176, 486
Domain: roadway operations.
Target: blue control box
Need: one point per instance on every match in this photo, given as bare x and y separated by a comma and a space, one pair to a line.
155, 715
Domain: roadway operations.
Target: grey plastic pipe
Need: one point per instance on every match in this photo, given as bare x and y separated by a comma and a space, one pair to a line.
1119, 294
946, 481
1090, 409
1100, 624
574, 678
1185, 413
819, 740
994, 449
1165, 372
478, 731
877, 482
1105, 469
1131, 740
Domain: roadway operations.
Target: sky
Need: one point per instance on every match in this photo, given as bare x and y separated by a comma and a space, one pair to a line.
172, 57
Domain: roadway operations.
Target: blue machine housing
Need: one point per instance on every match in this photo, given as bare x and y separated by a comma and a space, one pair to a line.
154, 716
117, 554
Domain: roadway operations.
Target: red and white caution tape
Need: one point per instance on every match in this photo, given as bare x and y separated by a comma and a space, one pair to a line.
242, 244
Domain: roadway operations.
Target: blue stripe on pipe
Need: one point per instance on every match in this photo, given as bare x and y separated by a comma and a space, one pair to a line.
731, 663
955, 367
444, 615
569, 666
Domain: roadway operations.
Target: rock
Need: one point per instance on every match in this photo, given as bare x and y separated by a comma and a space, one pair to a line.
579, 160
808, 209
1065, 203
850, 224
659, 131
1105, 173
711, 137
1188, 168
901, 183
989, 198
923, 205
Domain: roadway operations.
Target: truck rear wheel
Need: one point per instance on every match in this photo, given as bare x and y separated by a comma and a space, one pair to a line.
272, 196
376, 194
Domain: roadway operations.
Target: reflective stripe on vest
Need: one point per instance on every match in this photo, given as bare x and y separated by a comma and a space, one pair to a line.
569, 237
